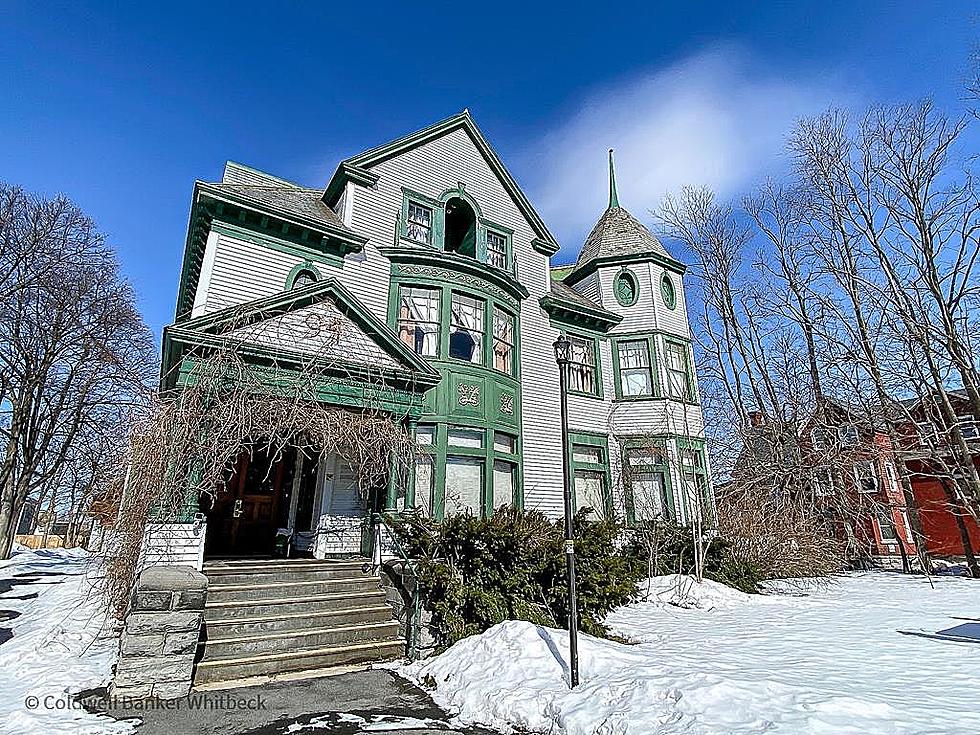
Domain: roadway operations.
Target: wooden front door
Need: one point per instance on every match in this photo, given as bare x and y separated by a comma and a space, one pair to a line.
246, 511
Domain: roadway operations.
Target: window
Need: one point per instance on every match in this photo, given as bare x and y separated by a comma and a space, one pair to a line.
647, 483
419, 224
582, 366
469, 438
418, 319
304, 278
695, 477
969, 429
886, 526
667, 291
504, 442
678, 378
425, 473
865, 477
891, 476
823, 482
635, 378
590, 473
590, 492
496, 249
466, 329
821, 438
460, 228
503, 341
849, 436
464, 485
425, 435
626, 288
503, 483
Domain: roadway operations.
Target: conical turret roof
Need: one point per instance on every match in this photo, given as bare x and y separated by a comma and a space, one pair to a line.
618, 233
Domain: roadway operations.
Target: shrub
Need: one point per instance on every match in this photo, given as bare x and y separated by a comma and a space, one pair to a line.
475, 573
663, 547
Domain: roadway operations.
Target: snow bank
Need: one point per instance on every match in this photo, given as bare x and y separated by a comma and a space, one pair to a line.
682, 590
58, 646
829, 662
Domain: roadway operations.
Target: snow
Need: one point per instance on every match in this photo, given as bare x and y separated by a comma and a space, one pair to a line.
821, 660
60, 643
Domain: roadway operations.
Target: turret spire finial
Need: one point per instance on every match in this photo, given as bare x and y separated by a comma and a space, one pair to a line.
613, 196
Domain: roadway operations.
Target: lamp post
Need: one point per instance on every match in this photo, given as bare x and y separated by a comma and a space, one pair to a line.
563, 356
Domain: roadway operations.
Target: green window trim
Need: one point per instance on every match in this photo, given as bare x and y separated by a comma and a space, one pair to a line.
668, 291
626, 287
657, 444
440, 450
307, 266
655, 386
486, 229
592, 440
691, 396
698, 447
597, 353
438, 223
438, 226
490, 304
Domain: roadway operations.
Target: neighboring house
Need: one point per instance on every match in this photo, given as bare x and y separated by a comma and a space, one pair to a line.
846, 465
429, 259
859, 483
946, 524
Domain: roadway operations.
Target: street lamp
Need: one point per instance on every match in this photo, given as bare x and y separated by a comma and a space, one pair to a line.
563, 356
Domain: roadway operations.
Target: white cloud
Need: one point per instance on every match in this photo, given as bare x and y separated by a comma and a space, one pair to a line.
713, 119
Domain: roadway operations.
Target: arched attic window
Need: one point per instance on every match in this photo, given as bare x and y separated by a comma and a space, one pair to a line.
302, 275
460, 228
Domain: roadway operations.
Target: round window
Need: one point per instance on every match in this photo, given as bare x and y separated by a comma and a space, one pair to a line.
667, 289
626, 288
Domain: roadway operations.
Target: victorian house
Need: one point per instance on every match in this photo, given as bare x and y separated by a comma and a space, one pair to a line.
441, 277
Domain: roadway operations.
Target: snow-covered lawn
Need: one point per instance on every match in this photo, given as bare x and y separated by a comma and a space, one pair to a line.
58, 646
830, 661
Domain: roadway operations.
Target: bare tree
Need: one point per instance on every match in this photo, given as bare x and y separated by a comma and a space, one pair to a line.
74, 351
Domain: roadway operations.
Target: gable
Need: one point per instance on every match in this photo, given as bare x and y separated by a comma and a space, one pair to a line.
321, 324
457, 149
319, 331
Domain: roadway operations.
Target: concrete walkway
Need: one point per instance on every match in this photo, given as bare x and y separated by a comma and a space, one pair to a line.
375, 701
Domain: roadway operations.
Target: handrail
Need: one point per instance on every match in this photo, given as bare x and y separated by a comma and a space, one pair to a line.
412, 621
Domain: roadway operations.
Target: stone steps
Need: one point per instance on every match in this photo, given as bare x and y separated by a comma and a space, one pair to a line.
296, 572
310, 638
268, 588
286, 623
271, 606
271, 617
291, 661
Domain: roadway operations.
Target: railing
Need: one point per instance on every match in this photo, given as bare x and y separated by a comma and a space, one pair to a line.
380, 525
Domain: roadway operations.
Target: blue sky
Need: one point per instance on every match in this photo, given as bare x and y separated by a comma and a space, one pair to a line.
123, 106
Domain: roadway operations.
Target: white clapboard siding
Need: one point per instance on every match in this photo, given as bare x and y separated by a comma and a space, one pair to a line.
244, 271
173, 544
591, 288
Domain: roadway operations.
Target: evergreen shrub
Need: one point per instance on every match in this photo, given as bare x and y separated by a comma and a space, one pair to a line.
477, 572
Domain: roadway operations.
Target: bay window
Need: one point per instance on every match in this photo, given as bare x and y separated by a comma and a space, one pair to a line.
590, 473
